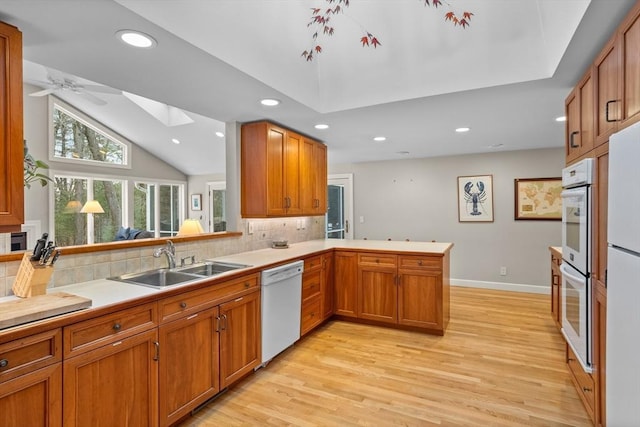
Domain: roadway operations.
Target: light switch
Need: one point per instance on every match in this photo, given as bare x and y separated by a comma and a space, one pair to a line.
362, 220
250, 227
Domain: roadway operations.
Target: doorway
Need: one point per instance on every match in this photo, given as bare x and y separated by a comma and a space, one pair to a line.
217, 207
339, 218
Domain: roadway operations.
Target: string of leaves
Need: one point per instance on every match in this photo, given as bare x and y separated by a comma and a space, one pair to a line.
321, 20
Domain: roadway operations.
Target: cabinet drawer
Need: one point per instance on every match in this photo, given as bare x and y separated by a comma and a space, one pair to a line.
191, 302
382, 260
313, 263
30, 353
310, 284
94, 333
420, 262
311, 315
584, 382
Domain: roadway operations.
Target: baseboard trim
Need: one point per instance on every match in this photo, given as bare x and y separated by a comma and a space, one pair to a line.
501, 286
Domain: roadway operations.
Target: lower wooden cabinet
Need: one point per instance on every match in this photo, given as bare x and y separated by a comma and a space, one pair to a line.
33, 399
240, 338
583, 382
346, 283
556, 279
327, 285
419, 299
114, 385
377, 288
188, 365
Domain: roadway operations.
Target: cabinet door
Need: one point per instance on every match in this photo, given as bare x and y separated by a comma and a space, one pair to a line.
307, 189
420, 299
320, 178
292, 174
327, 285
600, 352
377, 294
600, 214
346, 284
114, 385
33, 399
240, 338
629, 42
188, 365
11, 134
572, 137
607, 98
276, 143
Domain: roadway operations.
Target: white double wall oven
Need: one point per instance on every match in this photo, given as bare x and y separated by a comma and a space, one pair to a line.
576, 260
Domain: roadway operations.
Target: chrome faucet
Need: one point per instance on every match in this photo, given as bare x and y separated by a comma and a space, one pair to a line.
170, 251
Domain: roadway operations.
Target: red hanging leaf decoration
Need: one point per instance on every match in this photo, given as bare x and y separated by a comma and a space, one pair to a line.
365, 41
318, 49
375, 43
449, 16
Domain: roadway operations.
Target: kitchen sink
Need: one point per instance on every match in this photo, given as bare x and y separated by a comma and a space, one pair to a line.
211, 268
157, 278
164, 277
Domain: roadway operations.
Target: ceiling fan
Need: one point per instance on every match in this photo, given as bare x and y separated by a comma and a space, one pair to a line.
58, 84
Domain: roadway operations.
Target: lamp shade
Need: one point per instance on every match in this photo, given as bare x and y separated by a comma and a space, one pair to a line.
73, 206
190, 226
92, 206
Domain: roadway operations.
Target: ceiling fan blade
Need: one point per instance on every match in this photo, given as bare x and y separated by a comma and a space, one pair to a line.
92, 98
43, 92
102, 89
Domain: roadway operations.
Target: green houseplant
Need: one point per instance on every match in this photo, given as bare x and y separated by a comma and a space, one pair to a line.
31, 169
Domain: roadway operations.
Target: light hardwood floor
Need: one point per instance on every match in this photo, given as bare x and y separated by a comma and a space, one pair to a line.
500, 363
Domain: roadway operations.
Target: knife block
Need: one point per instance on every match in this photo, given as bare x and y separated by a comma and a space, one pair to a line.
32, 278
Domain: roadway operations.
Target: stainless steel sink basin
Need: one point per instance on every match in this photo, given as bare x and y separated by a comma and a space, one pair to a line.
164, 277
157, 278
211, 268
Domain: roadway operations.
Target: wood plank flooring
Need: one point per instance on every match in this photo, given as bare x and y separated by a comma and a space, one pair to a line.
500, 363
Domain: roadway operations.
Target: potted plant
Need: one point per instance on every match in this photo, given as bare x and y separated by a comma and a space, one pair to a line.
31, 169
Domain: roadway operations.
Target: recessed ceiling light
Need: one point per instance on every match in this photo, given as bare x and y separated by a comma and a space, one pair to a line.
380, 138
496, 145
561, 119
321, 126
220, 134
175, 141
137, 39
269, 102
461, 130
402, 153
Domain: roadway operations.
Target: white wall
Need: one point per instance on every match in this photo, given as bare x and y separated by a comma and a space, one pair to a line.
417, 199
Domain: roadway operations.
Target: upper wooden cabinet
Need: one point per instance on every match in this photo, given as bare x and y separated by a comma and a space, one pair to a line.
282, 172
11, 145
579, 111
607, 99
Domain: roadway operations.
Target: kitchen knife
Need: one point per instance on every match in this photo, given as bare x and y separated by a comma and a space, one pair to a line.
55, 257
37, 251
47, 254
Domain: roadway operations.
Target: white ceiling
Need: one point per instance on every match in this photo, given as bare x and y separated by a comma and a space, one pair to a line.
505, 76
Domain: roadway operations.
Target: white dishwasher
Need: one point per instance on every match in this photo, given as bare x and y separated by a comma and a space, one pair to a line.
281, 303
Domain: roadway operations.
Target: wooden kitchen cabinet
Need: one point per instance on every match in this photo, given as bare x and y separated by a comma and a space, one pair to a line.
281, 172
582, 381
327, 285
377, 287
311, 309
31, 381
346, 283
579, 110
113, 385
606, 70
556, 278
240, 337
188, 365
423, 298
11, 136
629, 70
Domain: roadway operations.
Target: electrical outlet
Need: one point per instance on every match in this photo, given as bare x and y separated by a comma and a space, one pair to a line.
250, 227
503, 271
299, 224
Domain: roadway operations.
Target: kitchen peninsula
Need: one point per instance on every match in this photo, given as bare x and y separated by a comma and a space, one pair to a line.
146, 336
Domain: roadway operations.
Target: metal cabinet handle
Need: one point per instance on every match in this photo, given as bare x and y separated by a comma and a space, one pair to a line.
183, 304
224, 322
247, 285
606, 111
217, 323
572, 139
4, 363
156, 357
586, 389
117, 326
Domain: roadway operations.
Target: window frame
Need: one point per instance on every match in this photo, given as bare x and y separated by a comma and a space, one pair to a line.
92, 124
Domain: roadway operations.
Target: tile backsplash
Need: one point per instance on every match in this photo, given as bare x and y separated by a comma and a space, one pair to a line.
99, 265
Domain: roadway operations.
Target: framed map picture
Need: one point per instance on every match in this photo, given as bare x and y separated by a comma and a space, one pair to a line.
538, 198
475, 198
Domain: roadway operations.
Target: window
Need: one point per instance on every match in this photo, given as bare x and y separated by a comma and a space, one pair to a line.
77, 138
162, 218
71, 193
217, 208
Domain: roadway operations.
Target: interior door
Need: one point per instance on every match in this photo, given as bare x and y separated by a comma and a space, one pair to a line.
339, 217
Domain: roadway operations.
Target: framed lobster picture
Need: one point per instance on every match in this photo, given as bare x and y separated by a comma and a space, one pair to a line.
475, 198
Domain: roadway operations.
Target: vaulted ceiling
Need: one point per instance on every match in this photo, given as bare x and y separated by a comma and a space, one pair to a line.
505, 76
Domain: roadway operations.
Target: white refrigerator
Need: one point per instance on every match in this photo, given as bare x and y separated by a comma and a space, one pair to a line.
623, 280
